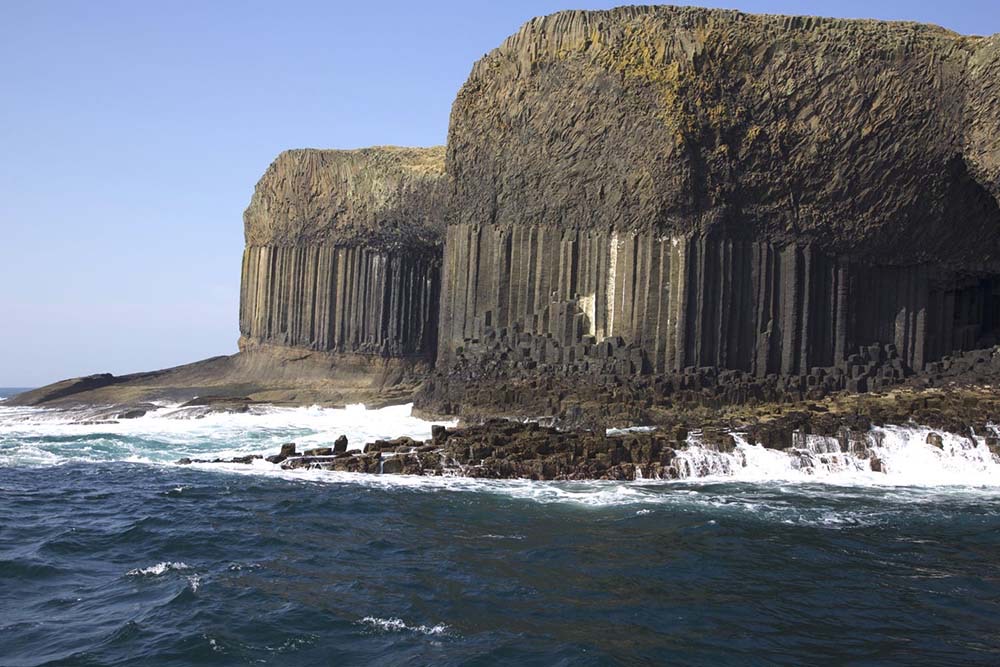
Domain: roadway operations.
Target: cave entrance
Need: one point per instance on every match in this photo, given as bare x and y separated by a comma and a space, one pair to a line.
969, 318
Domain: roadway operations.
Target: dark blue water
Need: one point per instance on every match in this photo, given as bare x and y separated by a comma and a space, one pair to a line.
112, 563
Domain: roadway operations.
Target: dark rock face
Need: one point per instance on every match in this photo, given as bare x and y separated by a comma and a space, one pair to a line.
345, 299
343, 252
381, 198
639, 211
741, 305
982, 104
870, 138
654, 190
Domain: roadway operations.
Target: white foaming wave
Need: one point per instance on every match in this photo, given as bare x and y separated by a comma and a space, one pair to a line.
598, 493
962, 463
38, 436
158, 569
755, 469
397, 625
629, 429
904, 457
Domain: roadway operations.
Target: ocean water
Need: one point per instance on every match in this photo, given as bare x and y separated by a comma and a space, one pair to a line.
112, 555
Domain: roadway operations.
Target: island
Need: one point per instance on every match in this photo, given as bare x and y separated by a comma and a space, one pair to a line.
665, 217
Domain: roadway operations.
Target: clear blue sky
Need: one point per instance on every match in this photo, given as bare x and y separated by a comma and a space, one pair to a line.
132, 135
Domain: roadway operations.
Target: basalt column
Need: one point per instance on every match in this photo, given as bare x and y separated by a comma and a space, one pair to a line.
661, 189
343, 253
696, 301
343, 299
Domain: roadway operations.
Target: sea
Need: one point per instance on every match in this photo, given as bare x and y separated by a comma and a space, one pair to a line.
112, 554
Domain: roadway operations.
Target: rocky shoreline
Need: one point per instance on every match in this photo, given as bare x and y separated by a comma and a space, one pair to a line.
646, 216
836, 431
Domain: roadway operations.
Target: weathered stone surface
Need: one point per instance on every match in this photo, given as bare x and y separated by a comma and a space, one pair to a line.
260, 373
287, 450
318, 451
665, 191
380, 198
62, 389
982, 105
476, 390
343, 251
870, 138
243, 460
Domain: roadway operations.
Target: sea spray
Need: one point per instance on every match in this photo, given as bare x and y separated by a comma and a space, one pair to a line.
894, 455
35, 436
891, 455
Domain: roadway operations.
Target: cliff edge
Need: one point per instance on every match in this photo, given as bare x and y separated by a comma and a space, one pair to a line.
385, 197
685, 205
871, 138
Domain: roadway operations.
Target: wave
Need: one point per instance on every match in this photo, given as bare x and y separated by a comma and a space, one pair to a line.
39, 436
158, 569
397, 625
885, 456
893, 456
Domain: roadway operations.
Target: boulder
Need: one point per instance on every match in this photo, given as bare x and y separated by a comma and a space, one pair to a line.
318, 451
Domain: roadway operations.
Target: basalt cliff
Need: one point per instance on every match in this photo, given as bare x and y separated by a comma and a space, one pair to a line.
645, 215
660, 200
338, 297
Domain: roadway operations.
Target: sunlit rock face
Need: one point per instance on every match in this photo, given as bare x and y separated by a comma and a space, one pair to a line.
343, 252
710, 188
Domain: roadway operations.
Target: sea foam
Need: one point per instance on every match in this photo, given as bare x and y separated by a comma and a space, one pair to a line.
158, 569
38, 437
397, 625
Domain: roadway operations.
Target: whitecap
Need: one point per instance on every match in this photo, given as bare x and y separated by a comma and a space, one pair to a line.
397, 625
158, 569
40, 436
